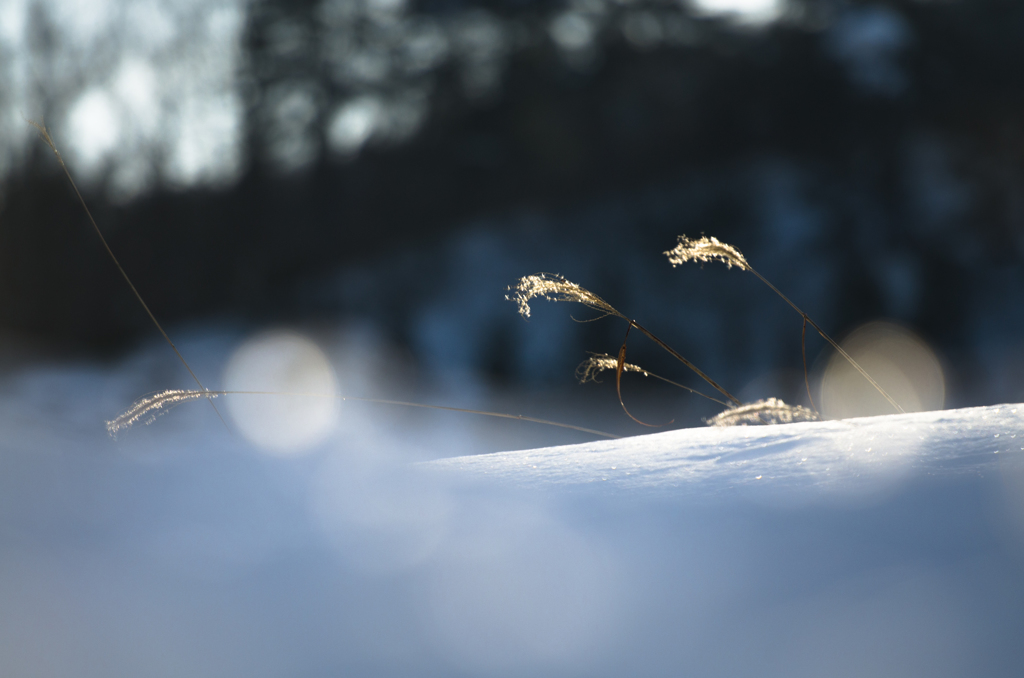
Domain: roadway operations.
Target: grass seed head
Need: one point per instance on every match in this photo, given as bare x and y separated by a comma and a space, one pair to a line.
554, 287
769, 411
706, 249
598, 363
148, 406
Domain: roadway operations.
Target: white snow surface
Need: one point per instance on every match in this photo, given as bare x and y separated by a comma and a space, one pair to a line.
888, 546
852, 455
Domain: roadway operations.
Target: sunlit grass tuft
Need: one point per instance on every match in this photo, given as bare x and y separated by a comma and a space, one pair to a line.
703, 250
768, 411
551, 287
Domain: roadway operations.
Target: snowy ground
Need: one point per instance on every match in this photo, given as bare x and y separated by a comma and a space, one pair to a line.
888, 546
852, 457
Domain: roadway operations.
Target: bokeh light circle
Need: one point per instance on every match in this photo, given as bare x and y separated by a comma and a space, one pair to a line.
301, 412
899, 360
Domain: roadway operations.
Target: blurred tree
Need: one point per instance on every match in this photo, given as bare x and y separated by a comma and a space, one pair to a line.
883, 140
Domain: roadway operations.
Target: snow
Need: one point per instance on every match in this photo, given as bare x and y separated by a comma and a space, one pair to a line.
879, 546
805, 458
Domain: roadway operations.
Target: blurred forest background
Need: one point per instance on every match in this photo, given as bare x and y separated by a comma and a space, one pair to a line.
395, 164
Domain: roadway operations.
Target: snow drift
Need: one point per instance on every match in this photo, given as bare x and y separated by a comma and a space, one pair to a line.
882, 546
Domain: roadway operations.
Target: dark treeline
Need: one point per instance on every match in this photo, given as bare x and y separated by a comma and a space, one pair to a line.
905, 119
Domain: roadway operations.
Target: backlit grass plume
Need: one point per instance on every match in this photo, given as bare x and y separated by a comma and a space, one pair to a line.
706, 249
152, 406
710, 249
598, 363
554, 287
589, 369
769, 411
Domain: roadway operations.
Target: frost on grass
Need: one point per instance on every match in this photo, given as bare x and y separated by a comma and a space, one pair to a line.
153, 406
770, 411
599, 362
554, 287
706, 249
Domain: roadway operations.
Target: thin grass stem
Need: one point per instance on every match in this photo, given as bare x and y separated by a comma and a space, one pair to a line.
620, 364
829, 339
44, 134
803, 354
675, 354
175, 397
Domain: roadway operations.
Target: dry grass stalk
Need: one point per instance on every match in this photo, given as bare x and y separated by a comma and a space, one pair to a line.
597, 363
770, 411
152, 406
44, 134
620, 364
167, 399
554, 287
709, 249
544, 285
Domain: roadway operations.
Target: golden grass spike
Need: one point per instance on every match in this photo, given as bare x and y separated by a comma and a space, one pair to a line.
706, 249
158, 401
599, 362
554, 287
771, 411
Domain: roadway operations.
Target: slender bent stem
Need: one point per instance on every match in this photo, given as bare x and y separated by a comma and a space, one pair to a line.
45, 135
675, 354
499, 415
619, 366
803, 353
694, 391
829, 339
404, 403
